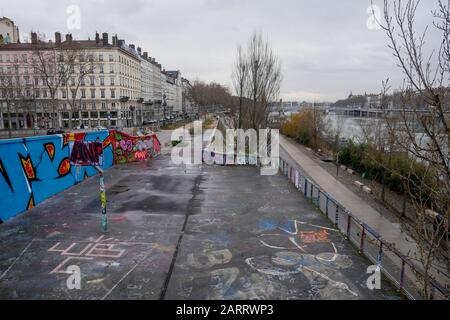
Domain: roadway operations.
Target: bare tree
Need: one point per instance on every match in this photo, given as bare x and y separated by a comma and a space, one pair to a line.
62, 66
257, 76
206, 95
240, 78
421, 128
10, 94
80, 64
334, 128
46, 64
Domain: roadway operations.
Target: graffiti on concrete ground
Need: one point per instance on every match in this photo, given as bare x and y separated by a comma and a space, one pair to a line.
311, 253
314, 236
308, 252
296, 259
99, 248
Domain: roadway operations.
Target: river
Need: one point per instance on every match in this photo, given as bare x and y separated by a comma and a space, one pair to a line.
354, 128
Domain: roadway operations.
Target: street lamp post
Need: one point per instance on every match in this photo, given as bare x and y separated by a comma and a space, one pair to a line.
164, 105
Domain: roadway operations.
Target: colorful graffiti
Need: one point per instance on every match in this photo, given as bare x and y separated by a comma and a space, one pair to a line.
129, 148
86, 153
309, 252
35, 168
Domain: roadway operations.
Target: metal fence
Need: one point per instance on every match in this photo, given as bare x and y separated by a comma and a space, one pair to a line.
394, 265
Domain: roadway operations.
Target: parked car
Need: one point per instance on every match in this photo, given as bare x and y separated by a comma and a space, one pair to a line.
54, 131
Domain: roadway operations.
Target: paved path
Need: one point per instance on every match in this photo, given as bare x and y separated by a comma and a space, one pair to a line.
208, 232
388, 230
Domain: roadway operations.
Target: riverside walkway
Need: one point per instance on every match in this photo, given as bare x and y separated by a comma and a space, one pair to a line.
392, 232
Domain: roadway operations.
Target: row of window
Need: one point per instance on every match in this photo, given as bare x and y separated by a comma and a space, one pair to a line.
82, 93
49, 69
125, 82
25, 57
93, 106
127, 66
44, 93
42, 81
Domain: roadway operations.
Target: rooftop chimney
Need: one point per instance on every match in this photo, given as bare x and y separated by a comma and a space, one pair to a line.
68, 37
139, 50
97, 38
131, 46
33, 37
145, 54
57, 38
105, 38
114, 40
120, 43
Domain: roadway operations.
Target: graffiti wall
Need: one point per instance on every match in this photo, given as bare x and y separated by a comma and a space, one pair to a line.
130, 148
36, 168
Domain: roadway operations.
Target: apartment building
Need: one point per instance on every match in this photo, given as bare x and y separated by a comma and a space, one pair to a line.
187, 103
107, 95
172, 91
109, 83
151, 92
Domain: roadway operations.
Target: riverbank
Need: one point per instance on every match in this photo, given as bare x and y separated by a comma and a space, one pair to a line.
362, 206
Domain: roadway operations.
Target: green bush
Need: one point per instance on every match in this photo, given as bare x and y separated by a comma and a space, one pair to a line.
303, 138
353, 155
373, 163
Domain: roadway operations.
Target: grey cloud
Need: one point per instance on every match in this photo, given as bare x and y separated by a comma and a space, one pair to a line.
325, 46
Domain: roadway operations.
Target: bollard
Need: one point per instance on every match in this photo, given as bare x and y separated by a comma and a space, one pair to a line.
349, 220
104, 221
318, 199
402, 275
336, 217
380, 255
361, 244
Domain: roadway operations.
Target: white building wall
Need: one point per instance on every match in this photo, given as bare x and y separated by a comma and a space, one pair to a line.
7, 28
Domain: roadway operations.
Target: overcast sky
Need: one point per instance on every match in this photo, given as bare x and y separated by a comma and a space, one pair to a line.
325, 46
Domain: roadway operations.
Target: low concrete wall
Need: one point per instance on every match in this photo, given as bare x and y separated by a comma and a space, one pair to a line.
33, 169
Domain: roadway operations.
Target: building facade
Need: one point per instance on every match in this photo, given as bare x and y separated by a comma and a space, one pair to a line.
9, 32
84, 83
187, 104
172, 92
151, 92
